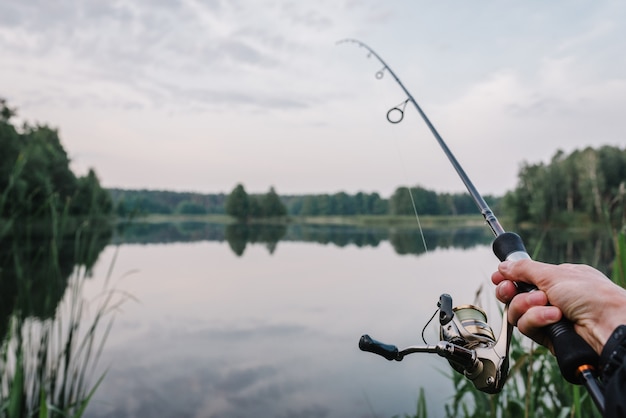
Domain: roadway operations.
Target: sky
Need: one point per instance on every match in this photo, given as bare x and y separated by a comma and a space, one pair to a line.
202, 95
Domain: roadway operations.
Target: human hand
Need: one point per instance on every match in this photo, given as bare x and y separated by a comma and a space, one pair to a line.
585, 296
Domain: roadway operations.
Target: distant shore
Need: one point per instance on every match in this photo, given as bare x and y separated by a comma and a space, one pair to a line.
429, 221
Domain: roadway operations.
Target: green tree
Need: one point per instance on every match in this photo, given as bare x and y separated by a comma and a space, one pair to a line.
187, 207
376, 205
587, 184
90, 197
271, 205
426, 201
343, 204
309, 206
238, 204
35, 174
256, 209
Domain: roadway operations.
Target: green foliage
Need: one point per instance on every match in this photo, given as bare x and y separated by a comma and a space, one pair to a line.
240, 235
35, 174
238, 203
403, 200
271, 204
243, 207
618, 273
46, 353
190, 208
336, 204
586, 184
421, 409
428, 202
131, 203
90, 198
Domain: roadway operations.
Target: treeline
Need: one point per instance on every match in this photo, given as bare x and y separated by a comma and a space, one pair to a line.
336, 204
145, 202
244, 207
427, 202
35, 176
586, 185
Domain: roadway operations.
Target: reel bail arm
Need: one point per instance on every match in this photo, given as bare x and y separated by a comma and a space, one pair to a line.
467, 342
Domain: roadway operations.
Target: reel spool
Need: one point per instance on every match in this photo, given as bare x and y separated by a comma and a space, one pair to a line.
473, 325
467, 342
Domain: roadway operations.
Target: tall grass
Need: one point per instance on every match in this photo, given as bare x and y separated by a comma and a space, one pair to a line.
618, 274
51, 344
47, 365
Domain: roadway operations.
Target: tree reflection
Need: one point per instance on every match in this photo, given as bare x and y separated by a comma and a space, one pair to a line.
36, 262
239, 235
166, 232
594, 247
556, 246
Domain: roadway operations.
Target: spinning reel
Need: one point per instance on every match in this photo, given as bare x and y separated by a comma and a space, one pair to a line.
467, 342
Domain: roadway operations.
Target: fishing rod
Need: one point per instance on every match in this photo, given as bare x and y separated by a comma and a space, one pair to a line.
467, 341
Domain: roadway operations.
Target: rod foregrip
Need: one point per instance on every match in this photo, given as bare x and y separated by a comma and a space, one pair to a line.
509, 246
570, 349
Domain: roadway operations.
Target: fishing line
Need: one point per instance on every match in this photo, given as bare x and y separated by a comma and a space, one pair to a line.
395, 115
408, 188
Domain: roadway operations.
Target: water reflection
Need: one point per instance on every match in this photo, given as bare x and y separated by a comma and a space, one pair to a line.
45, 355
239, 236
36, 261
594, 247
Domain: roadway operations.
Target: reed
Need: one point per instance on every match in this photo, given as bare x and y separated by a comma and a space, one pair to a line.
53, 336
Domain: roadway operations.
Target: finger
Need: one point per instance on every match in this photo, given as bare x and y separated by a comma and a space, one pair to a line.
497, 277
537, 317
505, 291
528, 271
522, 302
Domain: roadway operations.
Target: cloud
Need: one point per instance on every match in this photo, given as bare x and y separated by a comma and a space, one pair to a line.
178, 52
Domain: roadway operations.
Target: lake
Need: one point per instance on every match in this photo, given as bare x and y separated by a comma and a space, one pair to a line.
274, 331
264, 321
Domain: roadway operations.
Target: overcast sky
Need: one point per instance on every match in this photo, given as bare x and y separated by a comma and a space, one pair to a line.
196, 95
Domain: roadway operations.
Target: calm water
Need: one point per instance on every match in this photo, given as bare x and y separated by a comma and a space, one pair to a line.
272, 331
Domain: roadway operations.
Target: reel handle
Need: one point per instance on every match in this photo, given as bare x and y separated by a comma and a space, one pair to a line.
388, 351
571, 350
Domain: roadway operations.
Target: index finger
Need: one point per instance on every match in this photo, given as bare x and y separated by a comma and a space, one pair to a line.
527, 271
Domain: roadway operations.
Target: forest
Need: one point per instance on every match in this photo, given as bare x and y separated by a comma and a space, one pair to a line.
143, 202
584, 186
243, 205
35, 176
